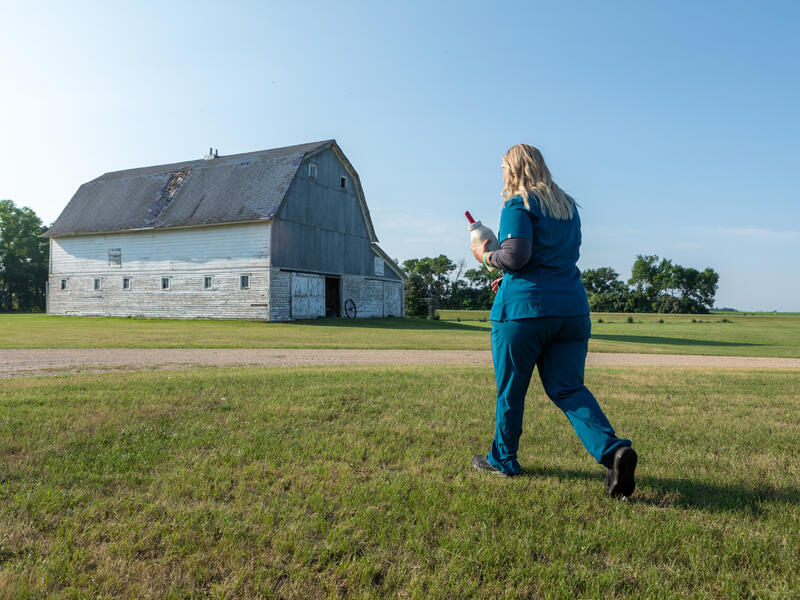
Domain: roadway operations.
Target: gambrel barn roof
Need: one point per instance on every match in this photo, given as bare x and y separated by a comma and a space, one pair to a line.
225, 189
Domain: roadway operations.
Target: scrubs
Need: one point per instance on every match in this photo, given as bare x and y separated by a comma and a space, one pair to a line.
540, 317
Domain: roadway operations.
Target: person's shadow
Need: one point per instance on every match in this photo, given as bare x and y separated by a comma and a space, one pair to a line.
687, 493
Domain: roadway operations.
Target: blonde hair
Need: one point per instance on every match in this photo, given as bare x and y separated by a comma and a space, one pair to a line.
525, 174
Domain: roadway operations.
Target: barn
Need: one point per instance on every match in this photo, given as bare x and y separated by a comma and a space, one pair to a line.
275, 235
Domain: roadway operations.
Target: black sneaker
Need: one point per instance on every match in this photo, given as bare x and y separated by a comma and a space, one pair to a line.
620, 481
481, 462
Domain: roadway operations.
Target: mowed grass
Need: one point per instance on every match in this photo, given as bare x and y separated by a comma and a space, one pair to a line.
355, 482
777, 336
45, 331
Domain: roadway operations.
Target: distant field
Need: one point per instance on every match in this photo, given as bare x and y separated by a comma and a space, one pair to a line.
355, 482
759, 313
761, 335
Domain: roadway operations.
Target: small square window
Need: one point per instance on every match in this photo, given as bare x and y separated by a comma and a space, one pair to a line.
98, 284
63, 284
244, 282
312, 170
343, 183
126, 283
165, 283
208, 281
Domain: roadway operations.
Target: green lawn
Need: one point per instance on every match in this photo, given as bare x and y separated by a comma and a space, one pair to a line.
355, 482
740, 336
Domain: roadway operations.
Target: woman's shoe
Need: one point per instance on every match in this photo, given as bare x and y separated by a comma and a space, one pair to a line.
620, 481
481, 462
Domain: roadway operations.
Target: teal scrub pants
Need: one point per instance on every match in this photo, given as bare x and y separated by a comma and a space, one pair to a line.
558, 346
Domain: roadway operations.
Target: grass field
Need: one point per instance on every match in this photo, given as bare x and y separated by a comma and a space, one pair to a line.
312, 483
763, 335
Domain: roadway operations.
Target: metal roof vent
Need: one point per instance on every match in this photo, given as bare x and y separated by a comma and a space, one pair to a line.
212, 154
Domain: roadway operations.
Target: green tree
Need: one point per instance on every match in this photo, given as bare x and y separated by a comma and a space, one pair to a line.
602, 281
697, 288
23, 259
606, 292
645, 275
477, 293
434, 276
416, 296
652, 279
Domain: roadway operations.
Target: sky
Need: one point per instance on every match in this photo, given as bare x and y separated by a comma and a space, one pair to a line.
674, 125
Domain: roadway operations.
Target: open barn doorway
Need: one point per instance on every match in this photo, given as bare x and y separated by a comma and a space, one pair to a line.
333, 297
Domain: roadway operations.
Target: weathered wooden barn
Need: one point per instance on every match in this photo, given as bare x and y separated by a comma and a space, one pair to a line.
275, 235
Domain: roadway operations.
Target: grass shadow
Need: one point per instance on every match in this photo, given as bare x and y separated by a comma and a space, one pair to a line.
395, 323
647, 339
686, 493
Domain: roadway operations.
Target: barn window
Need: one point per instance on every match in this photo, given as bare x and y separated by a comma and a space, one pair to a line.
126, 283
208, 281
244, 282
378, 266
114, 257
98, 283
63, 284
312, 170
343, 183
165, 283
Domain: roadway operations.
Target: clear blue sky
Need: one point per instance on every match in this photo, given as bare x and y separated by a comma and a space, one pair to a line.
674, 124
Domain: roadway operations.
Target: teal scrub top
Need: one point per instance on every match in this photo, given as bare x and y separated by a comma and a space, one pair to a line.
549, 285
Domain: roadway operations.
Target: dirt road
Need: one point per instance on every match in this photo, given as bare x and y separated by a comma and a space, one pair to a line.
17, 363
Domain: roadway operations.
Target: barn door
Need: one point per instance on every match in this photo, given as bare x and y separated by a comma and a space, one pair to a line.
392, 299
308, 296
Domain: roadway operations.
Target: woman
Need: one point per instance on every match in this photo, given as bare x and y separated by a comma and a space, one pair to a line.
540, 316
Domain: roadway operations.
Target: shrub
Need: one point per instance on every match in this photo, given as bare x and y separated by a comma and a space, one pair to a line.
608, 302
629, 319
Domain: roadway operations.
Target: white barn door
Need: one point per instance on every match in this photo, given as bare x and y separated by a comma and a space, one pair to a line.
308, 296
392, 299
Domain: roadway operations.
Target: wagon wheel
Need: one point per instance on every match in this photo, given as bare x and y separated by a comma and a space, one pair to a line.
350, 309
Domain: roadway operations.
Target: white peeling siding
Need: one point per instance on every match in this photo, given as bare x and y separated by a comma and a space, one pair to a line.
186, 298
366, 293
374, 297
203, 248
185, 256
280, 295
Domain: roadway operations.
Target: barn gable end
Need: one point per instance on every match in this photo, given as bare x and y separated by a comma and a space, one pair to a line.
320, 226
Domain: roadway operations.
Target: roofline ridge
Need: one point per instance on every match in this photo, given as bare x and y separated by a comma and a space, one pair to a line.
199, 161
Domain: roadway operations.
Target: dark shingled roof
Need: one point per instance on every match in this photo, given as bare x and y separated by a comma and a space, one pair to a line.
242, 187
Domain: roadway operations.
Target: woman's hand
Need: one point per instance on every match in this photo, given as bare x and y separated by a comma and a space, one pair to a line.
478, 251
496, 284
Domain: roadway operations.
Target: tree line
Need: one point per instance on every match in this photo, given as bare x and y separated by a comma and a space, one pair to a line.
655, 285
24, 259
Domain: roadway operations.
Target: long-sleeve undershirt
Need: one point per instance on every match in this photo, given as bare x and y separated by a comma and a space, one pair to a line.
514, 253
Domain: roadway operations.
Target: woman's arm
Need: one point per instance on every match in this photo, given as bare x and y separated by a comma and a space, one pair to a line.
514, 253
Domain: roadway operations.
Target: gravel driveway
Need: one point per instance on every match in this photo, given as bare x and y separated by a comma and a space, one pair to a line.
16, 363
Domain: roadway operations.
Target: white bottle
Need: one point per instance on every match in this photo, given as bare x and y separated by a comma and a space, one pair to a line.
479, 233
